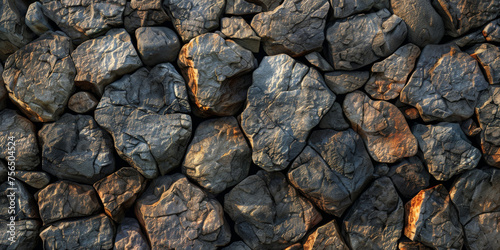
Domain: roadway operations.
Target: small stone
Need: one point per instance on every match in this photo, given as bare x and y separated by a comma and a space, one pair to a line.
488, 55
491, 31
23, 207
26, 232
318, 61
326, 237
409, 176
157, 45
36, 20
343, 82
238, 30
143, 13
129, 236
14, 33
34, 179
241, 7
470, 127
411, 113
267, 5
342, 8
334, 119
487, 113
82, 102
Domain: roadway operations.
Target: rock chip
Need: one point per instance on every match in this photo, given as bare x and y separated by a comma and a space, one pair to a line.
334, 119
326, 237
36, 20
157, 45
286, 100
129, 236
82, 102
241, 7
24, 203
143, 13
483, 231
35, 179
491, 31
409, 176
238, 30
343, 82
26, 232
317, 60
267, 5
488, 55
488, 114
14, 33
342, 8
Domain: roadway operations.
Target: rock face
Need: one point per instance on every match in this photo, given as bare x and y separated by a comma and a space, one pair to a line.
82, 102
382, 127
488, 55
142, 13
359, 40
427, 214
280, 83
268, 212
447, 151
326, 237
334, 119
241, 7
342, 9
177, 214
325, 173
142, 113
215, 70
36, 20
14, 34
238, 30
294, 27
487, 114
409, 176
129, 236
343, 82
75, 148
157, 45
47, 77
34, 179
483, 231
445, 84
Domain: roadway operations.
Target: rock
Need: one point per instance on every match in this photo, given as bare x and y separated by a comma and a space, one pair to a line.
267, 5
334, 119
3, 92
143, 13
491, 31
445, 85
218, 156
424, 24
325, 174
237, 245
409, 176
47, 82
23, 135
129, 236
342, 9
75, 148
296, 246
36, 20
82, 102
26, 232
359, 40
470, 127
34, 179
487, 113
406, 244
326, 237
241, 7
157, 45
343, 82
192, 18
216, 74
411, 113
470, 39
483, 231
382, 127
141, 111
119, 191
3, 171
83, 20
14, 34
238, 30
446, 149
23, 207
318, 61
102, 60
375, 221
174, 207
64, 200
281, 84
96, 232
268, 212
488, 55
389, 76
427, 214
295, 27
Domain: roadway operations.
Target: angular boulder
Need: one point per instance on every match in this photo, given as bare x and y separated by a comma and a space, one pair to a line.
157, 45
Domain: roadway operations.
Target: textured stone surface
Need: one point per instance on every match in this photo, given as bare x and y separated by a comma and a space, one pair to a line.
157, 45
82, 102
26, 234
488, 55
295, 27
39, 77
3, 171
14, 34
36, 20
177, 214
241, 7
491, 31
3, 92
382, 127
445, 85
334, 119
483, 231
75, 148
326, 237
129, 236
317, 60
267, 5
280, 83
35, 179
488, 117
470, 127
268, 212
238, 30
359, 40
470, 39
343, 8
343, 82
333, 170
142, 13
446, 149
406, 244
409, 176
24, 204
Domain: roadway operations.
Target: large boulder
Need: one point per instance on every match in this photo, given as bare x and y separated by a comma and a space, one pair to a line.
14, 33
488, 114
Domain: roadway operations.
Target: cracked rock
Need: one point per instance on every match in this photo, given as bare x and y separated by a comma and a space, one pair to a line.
130, 236
241, 7
35, 179
14, 34
143, 13
157, 45
488, 117
343, 82
238, 30
488, 55
326, 237
342, 8
483, 231
491, 31
36, 20
82, 102
25, 204
334, 119
26, 232
409, 176
317, 60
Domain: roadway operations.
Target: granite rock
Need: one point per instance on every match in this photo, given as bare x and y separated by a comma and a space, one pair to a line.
157, 45
82, 102
488, 56
238, 30
326, 237
409, 176
129, 236
343, 82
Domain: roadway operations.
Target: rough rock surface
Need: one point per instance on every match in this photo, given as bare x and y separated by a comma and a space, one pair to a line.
446, 149
491, 31
238, 30
342, 8
177, 214
14, 34
267, 5
382, 127
36, 20
470, 127
488, 55
296, 27
75, 148
39, 77
483, 231
241, 7
332, 170
26, 234
317, 60
24, 203
334, 119
157, 45
129, 236
268, 212
343, 82
3, 92
142, 13
359, 40
3, 171
34, 179
406, 244
280, 83
488, 117
409, 176
326, 237
82, 102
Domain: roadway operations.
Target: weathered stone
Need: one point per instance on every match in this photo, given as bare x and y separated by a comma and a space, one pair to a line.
488, 55
238, 30
26, 232
491, 31
129, 236
332, 170
470, 39
268, 213
241, 7
282, 84
430, 218
343, 82
411, 113
267, 5
318, 61
34, 179
342, 8
483, 231
96, 232
119, 191
3, 92
177, 214
24, 204
470, 127
445, 85
409, 176
389, 76
215, 70
488, 117
375, 221
157, 45
326, 237
138, 110
447, 151
14, 33
237, 245
143, 13
295, 27
39, 77
36, 20
75, 148
334, 119
82, 102
359, 40
102, 60
382, 127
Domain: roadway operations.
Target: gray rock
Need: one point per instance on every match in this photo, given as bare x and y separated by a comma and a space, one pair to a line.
157, 45
241, 7
483, 232
409, 176
268, 212
48, 72
129, 236
238, 30
102, 60
295, 27
14, 33
23, 207
216, 74
326, 237
491, 31
267, 5
470, 39
3, 92
445, 85
35, 179
237, 245
334, 119
286, 100
488, 56
333, 170
470, 127
488, 117
75, 148
177, 214
143, 13
446, 149
3, 171
36, 20
82, 102
343, 82
343, 8
359, 40
318, 61
26, 234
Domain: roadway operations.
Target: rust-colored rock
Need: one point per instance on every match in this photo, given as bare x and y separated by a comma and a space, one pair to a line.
326, 237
